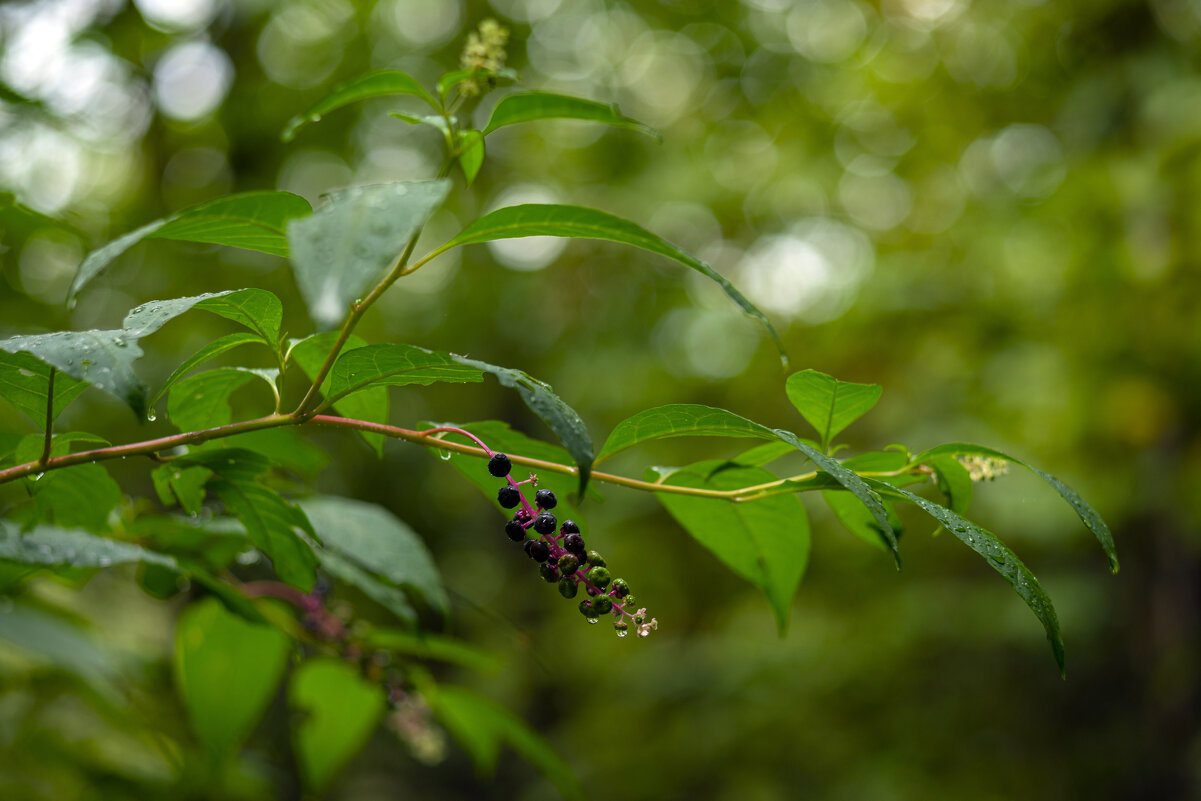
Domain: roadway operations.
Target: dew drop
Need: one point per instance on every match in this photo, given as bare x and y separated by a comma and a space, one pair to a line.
622, 632
444, 455
150, 415
38, 476
594, 620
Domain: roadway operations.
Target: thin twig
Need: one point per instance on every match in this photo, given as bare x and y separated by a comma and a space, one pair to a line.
49, 419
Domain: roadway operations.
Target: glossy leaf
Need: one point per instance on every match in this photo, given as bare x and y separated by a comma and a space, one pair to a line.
51, 546
471, 154
395, 366
25, 383
82, 495
830, 405
381, 83
432, 120
679, 420
202, 400
765, 542
585, 223
209, 351
852, 482
182, 485
856, 519
378, 542
954, 482
434, 647
998, 556
252, 221
227, 671
1087, 514
257, 309
483, 726
286, 447
763, 454
337, 712
542, 401
370, 404
344, 248
346, 571
531, 106
270, 521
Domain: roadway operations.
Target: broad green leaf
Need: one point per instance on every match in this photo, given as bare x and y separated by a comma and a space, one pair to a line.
482, 726
432, 120
345, 570
337, 710
344, 248
763, 454
252, 221
271, 522
530, 106
471, 154
679, 420
257, 309
434, 647
286, 447
542, 401
378, 542
855, 517
184, 485
877, 462
830, 405
50, 546
198, 544
202, 400
954, 482
585, 223
227, 671
765, 542
25, 383
502, 439
144, 320
1087, 514
852, 482
395, 366
82, 495
381, 83
209, 351
998, 555
370, 404
51, 641
450, 80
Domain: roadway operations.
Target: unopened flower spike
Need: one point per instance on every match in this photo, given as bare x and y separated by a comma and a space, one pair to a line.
484, 52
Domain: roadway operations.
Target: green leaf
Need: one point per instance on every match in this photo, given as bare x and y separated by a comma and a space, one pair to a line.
378, 542
338, 711
387, 596
348, 245
202, 401
542, 401
287, 449
227, 671
471, 154
855, 517
52, 641
209, 351
679, 420
585, 223
954, 482
765, 542
257, 309
51, 546
830, 405
482, 726
270, 521
432, 120
421, 645
530, 106
1087, 514
25, 383
998, 556
173, 483
763, 454
395, 366
877, 462
370, 404
380, 83
252, 221
82, 495
852, 482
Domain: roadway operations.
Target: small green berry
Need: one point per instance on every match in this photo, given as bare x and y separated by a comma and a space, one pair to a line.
628, 602
599, 576
568, 587
595, 559
620, 588
548, 573
602, 604
499, 465
568, 564
586, 608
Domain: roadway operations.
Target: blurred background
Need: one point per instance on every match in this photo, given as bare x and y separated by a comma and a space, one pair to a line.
987, 207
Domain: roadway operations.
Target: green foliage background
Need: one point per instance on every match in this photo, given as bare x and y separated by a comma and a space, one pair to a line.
987, 207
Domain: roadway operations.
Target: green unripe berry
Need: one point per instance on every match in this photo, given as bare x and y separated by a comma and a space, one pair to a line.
629, 602
599, 576
595, 559
602, 604
568, 587
586, 609
569, 563
548, 573
620, 588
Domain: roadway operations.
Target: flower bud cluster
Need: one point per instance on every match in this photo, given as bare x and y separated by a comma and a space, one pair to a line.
984, 468
484, 52
562, 556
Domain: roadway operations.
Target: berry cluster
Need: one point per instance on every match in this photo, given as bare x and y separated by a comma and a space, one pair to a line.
563, 558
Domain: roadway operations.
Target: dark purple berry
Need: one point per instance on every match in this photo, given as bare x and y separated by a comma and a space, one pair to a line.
548, 573
508, 497
499, 465
620, 588
570, 527
545, 523
568, 588
602, 604
568, 564
574, 543
537, 550
546, 499
515, 530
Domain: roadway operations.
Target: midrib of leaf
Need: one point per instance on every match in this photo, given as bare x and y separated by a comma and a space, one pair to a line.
220, 218
830, 416
350, 390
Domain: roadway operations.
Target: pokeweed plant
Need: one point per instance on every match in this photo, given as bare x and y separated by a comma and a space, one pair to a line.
233, 645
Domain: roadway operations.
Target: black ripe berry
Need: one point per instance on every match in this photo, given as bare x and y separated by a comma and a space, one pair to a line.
545, 523
570, 527
515, 531
537, 550
508, 497
567, 587
546, 499
499, 465
574, 543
